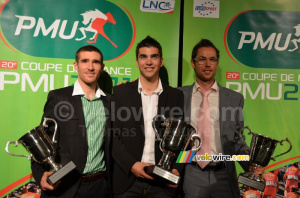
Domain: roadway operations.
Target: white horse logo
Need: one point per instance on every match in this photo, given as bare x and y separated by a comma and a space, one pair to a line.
296, 41
95, 20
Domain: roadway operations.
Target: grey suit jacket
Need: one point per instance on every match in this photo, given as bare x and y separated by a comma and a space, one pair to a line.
231, 121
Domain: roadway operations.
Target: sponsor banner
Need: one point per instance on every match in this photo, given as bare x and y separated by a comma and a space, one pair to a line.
158, 6
259, 58
261, 38
87, 24
38, 50
207, 9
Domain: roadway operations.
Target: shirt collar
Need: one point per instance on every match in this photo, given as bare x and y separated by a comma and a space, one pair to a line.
215, 87
158, 90
77, 91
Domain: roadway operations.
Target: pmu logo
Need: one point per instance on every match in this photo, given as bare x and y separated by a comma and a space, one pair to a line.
264, 39
44, 33
159, 6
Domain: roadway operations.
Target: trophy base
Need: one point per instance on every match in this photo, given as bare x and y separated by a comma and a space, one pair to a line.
58, 175
252, 183
162, 174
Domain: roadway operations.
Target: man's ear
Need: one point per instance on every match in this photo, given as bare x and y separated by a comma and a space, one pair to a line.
162, 62
75, 66
193, 64
102, 68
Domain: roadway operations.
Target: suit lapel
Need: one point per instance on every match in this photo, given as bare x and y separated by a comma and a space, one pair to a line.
188, 103
223, 102
106, 104
137, 104
79, 109
162, 99
162, 103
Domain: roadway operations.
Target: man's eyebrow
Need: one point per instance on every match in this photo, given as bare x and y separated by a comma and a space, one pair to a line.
96, 61
207, 57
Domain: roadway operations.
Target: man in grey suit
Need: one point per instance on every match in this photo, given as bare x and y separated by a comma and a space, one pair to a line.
217, 178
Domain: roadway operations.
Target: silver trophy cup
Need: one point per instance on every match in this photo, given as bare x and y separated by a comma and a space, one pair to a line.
177, 136
261, 151
42, 150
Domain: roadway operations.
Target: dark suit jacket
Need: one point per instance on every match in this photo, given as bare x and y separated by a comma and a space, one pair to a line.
231, 121
71, 138
128, 129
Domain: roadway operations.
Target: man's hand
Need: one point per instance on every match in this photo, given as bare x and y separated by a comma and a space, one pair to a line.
122, 83
259, 170
44, 183
138, 170
125, 82
174, 171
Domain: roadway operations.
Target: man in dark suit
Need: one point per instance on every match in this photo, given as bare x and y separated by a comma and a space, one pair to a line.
81, 112
220, 135
134, 105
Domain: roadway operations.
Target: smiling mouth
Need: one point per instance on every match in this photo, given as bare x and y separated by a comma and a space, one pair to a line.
207, 71
90, 74
149, 68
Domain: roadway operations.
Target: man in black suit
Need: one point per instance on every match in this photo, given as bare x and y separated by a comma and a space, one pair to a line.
133, 144
81, 112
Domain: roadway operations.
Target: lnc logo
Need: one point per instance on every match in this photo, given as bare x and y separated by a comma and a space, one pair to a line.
159, 6
60, 34
264, 39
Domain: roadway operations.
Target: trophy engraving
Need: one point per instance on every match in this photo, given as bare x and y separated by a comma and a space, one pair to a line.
42, 150
176, 137
261, 151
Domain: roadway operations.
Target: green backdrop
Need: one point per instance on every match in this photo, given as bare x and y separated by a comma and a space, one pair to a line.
254, 38
37, 52
37, 48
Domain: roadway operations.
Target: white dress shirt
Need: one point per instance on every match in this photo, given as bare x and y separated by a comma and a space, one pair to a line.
150, 105
78, 91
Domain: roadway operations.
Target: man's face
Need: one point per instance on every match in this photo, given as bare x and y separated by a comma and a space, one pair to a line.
89, 67
206, 68
149, 62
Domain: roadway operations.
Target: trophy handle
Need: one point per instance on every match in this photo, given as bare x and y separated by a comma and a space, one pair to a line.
16, 144
246, 127
193, 138
55, 129
281, 143
154, 127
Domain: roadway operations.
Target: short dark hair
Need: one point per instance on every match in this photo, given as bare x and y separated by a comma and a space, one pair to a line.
88, 48
148, 42
204, 43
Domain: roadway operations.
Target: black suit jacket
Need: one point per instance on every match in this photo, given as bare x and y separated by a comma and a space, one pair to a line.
71, 138
128, 129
